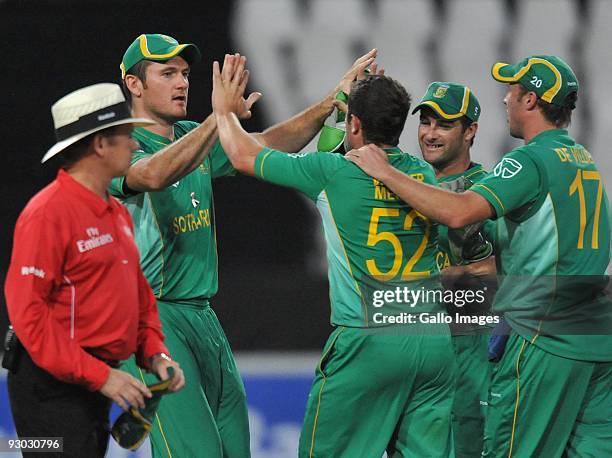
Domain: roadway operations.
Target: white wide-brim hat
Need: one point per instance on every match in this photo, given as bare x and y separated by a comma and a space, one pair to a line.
89, 110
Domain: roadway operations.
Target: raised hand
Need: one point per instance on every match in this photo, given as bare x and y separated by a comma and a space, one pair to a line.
373, 70
357, 71
229, 85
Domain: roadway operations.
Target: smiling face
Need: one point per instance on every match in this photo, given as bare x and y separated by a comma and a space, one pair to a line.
165, 91
443, 141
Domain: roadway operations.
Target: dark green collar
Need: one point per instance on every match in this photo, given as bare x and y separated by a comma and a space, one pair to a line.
394, 151
551, 133
144, 134
473, 168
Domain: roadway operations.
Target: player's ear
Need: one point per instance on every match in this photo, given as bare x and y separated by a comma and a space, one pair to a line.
470, 132
530, 100
355, 124
134, 85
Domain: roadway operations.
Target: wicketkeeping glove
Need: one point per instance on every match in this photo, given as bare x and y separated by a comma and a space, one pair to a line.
467, 244
132, 427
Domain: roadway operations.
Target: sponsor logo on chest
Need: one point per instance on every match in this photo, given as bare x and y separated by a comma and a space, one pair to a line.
95, 240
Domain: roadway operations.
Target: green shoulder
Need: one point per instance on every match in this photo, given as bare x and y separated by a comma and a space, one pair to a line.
415, 167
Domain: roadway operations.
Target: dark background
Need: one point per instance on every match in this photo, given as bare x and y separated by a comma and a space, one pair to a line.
267, 297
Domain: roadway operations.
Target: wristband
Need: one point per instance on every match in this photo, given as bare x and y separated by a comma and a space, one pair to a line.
161, 355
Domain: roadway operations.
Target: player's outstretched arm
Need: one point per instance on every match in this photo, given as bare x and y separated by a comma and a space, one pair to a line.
167, 166
173, 162
451, 209
228, 89
294, 134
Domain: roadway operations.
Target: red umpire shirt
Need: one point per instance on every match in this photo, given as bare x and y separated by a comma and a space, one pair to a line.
75, 288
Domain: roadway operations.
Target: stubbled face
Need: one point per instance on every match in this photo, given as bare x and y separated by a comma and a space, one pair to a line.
512, 100
121, 145
441, 140
165, 92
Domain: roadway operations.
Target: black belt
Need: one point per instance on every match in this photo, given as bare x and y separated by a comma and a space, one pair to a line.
114, 363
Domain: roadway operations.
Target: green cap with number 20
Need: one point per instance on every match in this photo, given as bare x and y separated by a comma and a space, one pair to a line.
550, 77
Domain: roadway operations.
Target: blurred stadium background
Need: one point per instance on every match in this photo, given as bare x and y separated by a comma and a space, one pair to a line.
273, 298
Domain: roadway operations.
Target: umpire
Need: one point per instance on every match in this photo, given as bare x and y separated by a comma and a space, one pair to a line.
75, 293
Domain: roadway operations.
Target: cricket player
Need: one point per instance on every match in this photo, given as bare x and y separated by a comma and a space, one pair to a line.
380, 385
448, 122
168, 190
551, 393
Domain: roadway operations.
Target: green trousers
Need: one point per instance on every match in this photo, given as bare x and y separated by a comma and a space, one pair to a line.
472, 388
543, 405
374, 391
208, 418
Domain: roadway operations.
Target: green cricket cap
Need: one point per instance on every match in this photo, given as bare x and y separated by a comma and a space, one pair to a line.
158, 48
550, 77
450, 101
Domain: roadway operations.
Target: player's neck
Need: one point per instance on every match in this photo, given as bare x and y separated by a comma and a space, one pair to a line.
161, 127
536, 127
360, 141
459, 165
163, 130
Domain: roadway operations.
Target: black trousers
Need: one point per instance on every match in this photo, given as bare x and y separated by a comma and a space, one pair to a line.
44, 406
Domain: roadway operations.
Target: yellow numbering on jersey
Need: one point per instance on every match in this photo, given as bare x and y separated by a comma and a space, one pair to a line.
375, 237
578, 185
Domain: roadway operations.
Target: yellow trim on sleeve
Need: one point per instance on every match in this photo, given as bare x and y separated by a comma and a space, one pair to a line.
444, 114
493, 194
548, 95
261, 165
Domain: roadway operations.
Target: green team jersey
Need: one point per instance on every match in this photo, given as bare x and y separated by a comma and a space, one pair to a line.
175, 227
553, 246
375, 242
